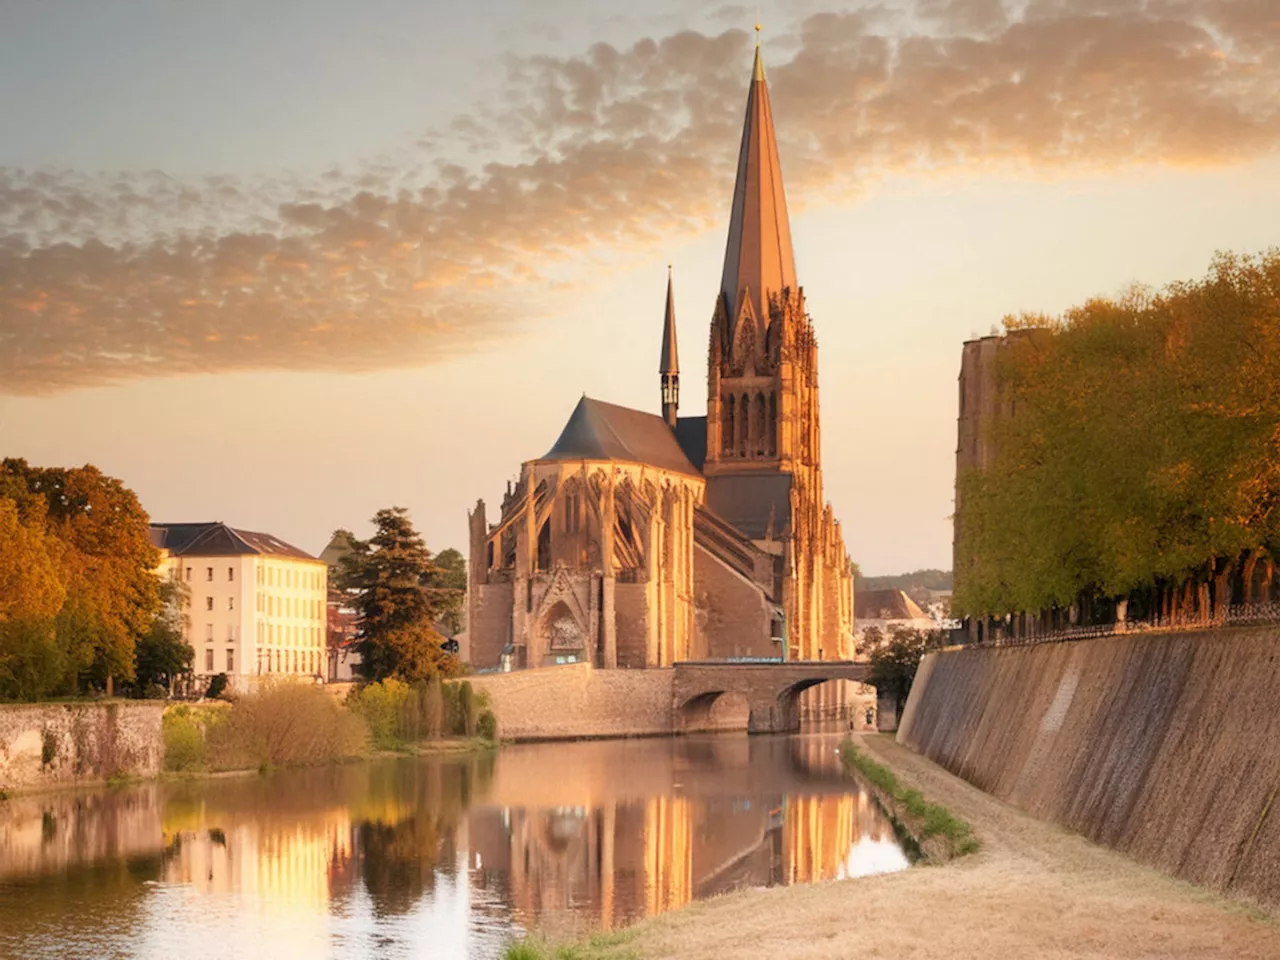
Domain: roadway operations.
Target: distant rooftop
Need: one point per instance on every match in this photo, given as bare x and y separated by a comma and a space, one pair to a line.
219, 540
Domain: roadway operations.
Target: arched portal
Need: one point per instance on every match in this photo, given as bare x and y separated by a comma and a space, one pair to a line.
562, 636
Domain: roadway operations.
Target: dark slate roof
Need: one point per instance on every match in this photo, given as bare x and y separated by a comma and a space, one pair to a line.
219, 540
885, 605
605, 431
691, 434
745, 502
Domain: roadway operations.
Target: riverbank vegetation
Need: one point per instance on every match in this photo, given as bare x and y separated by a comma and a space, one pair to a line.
400, 715
922, 819
290, 724
1136, 456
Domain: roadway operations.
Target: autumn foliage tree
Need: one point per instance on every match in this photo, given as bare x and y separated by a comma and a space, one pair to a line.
1138, 460
393, 584
77, 581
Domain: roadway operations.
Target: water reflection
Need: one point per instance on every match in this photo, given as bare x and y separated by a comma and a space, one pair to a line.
381, 859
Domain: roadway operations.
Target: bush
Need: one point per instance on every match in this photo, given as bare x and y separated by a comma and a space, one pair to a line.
217, 686
285, 724
380, 706
184, 740
487, 726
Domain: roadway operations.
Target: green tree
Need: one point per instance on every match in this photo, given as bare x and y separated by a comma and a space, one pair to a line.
390, 579
449, 583
163, 655
894, 662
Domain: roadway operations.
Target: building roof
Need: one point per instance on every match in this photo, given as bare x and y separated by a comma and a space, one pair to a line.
604, 431
885, 605
670, 360
758, 257
691, 434
219, 540
747, 500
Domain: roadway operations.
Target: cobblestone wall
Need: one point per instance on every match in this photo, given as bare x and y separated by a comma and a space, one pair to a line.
52, 744
576, 700
1166, 748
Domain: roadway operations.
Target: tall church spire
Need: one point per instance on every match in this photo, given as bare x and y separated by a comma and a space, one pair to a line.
758, 258
669, 365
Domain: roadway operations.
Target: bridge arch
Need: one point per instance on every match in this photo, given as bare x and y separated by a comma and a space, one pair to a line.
713, 710
771, 690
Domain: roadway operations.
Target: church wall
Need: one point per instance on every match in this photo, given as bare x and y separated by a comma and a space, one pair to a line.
489, 623
632, 617
732, 615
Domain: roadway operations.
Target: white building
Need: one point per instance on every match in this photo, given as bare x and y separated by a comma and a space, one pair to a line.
256, 605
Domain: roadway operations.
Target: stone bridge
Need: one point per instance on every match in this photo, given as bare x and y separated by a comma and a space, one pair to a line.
771, 689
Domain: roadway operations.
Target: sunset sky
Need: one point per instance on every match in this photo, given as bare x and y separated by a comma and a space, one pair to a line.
283, 264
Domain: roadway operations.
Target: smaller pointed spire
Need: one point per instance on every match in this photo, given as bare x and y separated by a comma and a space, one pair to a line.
669, 363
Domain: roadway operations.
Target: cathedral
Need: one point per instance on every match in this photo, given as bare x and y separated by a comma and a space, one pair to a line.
640, 540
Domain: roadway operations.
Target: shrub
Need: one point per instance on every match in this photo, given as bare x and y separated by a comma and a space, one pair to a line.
285, 724
380, 705
217, 686
487, 726
184, 740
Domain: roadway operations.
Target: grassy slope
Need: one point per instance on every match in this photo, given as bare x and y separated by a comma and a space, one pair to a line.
1032, 890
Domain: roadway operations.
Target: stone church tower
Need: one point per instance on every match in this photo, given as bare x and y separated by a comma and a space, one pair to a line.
763, 457
639, 540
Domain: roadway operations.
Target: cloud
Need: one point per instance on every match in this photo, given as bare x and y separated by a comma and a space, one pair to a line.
416, 258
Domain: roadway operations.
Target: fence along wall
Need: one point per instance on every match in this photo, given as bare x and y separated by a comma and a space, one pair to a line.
1164, 747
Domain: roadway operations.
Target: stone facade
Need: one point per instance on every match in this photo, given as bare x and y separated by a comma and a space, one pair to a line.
642, 541
43, 745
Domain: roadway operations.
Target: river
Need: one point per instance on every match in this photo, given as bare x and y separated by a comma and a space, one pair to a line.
446, 857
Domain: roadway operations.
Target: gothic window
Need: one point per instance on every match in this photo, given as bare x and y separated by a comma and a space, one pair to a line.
744, 426
544, 546
726, 427
773, 424
761, 430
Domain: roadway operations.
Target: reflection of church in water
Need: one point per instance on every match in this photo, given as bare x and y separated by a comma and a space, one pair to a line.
639, 540
608, 863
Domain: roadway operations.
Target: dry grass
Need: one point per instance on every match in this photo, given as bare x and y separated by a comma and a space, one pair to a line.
1033, 890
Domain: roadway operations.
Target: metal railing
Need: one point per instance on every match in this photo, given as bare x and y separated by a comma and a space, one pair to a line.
1241, 614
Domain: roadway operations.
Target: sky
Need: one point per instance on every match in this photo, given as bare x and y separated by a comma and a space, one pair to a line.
283, 265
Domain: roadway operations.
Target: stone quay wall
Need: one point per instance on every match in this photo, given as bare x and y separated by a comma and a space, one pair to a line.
52, 744
1166, 748
576, 701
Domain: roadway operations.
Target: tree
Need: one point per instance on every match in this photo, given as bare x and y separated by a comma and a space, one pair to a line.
108, 563
163, 655
895, 661
390, 578
450, 585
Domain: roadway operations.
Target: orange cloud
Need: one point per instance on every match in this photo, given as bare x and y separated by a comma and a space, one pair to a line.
611, 149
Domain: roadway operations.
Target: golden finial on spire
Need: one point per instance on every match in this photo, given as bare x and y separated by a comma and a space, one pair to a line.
758, 28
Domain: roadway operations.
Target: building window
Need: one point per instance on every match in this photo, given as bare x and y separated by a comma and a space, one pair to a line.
208, 661
208, 603
231, 661
231, 603
231, 574
208, 632
231, 633
208, 574
188, 574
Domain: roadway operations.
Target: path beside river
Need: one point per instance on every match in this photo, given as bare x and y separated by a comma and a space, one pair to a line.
1033, 890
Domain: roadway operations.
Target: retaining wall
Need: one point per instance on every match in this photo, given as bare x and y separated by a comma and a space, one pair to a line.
1164, 747
52, 744
576, 700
